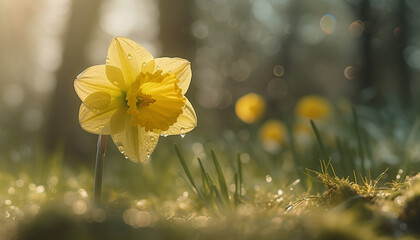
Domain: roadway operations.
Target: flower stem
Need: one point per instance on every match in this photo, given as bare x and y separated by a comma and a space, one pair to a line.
100, 155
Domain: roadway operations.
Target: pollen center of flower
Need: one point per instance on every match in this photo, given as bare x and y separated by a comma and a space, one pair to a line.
155, 101
135, 98
143, 100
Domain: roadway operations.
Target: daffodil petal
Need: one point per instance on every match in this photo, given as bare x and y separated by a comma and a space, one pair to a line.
117, 122
94, 80
98, 100
186, 122
178, 66
128, 56
148, 67
96, 121
115, 76
135, 143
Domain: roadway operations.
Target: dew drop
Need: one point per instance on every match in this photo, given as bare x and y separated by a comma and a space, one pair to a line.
164, 135
288, 208
182, 132
121, 149
129, 57
107, 60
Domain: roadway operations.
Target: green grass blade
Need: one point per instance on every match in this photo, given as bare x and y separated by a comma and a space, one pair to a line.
318, 138
219, 200
236, 196
239, 173
187, 171
186, 181
221, 177
216, 194
185, 166
206, 185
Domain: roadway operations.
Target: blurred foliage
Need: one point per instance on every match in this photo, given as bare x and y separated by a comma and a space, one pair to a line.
241, 189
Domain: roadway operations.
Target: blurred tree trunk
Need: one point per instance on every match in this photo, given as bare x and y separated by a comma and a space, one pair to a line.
366, 78
62, 123
401, 33
286, 58
175, 21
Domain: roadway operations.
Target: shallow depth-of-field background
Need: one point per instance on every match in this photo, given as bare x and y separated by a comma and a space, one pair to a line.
350, 66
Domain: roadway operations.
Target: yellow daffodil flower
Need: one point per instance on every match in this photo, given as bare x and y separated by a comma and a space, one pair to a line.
314, 107
135, 98
250, 107
273, 134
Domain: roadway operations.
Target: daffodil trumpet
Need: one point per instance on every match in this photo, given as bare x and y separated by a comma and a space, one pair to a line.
134, 98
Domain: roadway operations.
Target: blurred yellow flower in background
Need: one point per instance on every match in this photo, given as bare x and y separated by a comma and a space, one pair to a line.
273, 134
250, 107
135, 98
313, 107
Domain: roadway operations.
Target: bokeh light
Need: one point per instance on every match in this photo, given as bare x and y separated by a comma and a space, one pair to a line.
356, 28
349, 72
328, 23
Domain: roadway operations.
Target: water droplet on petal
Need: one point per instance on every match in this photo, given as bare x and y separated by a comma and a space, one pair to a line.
182, 132
107, 60
121, 149
129, 57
